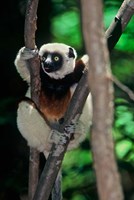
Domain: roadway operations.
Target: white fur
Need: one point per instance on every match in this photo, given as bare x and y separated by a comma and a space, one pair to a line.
21, 62
29, 121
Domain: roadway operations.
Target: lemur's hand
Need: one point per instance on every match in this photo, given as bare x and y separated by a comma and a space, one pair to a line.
26, 53
85, 59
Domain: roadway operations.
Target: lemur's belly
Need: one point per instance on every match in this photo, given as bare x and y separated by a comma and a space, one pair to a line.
54, 108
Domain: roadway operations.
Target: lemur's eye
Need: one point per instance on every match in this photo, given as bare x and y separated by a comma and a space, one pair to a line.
56, 58
43, 58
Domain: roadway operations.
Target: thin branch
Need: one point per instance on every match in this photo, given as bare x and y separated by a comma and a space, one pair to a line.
108, 181
123, 87
29, 36
30, 23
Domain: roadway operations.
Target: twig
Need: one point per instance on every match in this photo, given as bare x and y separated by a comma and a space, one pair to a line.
123, 87
29, 36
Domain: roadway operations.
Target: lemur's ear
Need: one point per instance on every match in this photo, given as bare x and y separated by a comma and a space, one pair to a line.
71, 53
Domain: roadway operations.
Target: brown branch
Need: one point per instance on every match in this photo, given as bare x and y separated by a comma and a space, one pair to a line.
108, 182
33, 172
29, 36
57, 189
125, 12
123, 87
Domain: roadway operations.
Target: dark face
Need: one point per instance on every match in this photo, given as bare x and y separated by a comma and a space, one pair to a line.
51, 62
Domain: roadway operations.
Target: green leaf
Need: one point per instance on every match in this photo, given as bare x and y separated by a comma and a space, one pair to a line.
66, 28
77, 157
123, 147
126, 42
109, 15
78, 197
129, 128
124, 119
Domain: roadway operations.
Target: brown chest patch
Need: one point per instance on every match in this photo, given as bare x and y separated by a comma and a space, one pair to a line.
53, 108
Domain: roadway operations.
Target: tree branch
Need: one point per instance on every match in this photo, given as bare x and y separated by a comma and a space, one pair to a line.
108, 181
29, 36
119, 23
123, 87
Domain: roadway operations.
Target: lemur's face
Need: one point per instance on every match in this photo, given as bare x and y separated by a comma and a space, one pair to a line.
51, 61
57, 60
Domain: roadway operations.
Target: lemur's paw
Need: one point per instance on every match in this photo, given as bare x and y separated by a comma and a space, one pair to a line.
69, 129
85, 59
26, 53
54, 136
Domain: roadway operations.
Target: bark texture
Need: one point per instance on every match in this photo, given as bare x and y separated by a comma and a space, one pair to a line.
29, 37
108, 181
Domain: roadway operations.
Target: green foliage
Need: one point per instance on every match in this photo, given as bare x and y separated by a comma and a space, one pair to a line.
125, 120
123, 147
124, 131
77, 173
66, 28
72, 159
122, 67
79, 197
109, 15
126, 42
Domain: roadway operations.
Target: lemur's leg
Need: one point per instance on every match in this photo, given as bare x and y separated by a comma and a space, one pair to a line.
32, 126
21, 62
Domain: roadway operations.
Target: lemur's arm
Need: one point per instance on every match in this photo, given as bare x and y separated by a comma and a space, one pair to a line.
21, 62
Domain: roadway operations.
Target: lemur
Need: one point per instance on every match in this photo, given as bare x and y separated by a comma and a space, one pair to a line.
60, 73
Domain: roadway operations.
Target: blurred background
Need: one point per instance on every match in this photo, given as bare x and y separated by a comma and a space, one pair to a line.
60, 21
